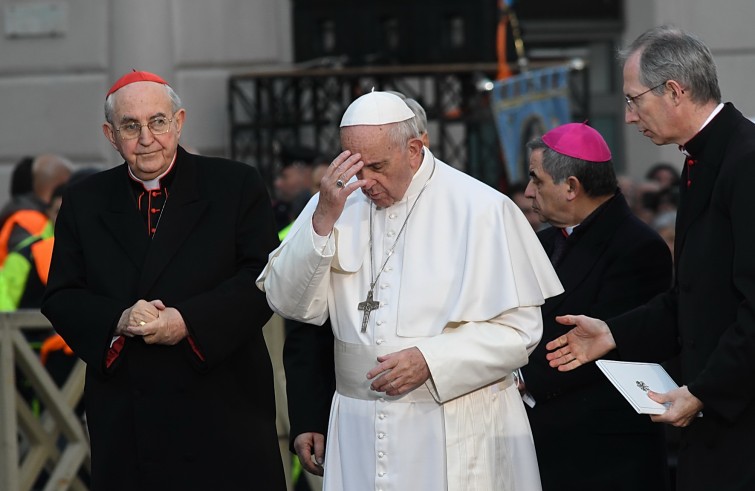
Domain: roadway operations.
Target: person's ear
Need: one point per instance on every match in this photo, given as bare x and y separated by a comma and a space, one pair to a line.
415, 152
676, 90
574, 188
179, 118
109, 132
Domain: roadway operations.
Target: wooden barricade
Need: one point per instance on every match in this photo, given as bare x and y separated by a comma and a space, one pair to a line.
46, 449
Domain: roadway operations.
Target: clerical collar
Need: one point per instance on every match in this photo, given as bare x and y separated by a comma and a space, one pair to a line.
153, 184
713, 114
421, 176
589, 219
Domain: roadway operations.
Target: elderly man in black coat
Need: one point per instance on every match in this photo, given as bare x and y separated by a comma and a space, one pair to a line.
152, 285
608, 262
708, 316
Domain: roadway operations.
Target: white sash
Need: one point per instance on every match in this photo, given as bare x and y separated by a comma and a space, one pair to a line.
353, 361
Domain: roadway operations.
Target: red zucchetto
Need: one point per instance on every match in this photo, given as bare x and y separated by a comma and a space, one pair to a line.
135, 76
579, 141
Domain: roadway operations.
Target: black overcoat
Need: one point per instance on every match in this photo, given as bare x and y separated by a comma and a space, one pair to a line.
582, 426
709, 314
160, 418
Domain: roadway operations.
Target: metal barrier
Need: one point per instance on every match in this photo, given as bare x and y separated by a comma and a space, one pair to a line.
45, 450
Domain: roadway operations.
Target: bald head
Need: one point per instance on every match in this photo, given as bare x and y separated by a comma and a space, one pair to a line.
48, 172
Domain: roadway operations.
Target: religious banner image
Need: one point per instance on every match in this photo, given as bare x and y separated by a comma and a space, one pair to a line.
526, 106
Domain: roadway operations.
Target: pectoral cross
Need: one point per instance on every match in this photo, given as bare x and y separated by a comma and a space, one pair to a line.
368, 306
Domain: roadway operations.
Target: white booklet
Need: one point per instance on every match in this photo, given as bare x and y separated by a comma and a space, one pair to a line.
634, 379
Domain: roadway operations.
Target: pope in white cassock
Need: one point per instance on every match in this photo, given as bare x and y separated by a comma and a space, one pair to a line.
432, 282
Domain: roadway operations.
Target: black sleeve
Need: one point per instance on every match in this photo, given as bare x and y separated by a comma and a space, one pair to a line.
310, 377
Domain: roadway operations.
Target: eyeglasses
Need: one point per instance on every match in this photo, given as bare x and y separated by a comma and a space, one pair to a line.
631, 100
157, 126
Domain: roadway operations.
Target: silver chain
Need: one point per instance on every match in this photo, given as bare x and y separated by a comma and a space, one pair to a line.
395, 243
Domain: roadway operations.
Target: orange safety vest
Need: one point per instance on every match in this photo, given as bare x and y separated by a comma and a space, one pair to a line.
33, 221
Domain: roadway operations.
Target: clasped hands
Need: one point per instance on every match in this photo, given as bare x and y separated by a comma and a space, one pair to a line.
591, 339
154, 322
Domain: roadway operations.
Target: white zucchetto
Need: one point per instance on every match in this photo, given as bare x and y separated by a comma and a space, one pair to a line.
376, 108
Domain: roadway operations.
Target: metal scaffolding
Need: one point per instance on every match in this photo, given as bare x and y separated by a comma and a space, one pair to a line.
304, 108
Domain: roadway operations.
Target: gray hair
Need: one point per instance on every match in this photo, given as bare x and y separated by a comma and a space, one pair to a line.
420, 115
400, 133
597, 178
419, 112
669, 53
110, 103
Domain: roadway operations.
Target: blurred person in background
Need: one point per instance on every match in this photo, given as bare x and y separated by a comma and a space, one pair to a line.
665, 174
26, 215
294, 180
665, 224
23, 276
20, 179
516, 193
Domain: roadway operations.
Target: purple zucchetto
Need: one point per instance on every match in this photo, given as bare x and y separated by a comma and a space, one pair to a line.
579, 141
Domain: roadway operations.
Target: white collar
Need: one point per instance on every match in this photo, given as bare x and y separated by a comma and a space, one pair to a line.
421, 176
152, 184
712, 115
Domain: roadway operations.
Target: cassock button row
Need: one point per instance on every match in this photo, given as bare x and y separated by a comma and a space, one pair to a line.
391, 233
381, 416
381, 455
381, 435
380, 323
379, 341
381, 474
388, 269
392, 216
384, 286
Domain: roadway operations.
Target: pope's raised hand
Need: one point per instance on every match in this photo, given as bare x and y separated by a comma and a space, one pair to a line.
335, 188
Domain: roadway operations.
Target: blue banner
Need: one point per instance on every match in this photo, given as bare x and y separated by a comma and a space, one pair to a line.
525, 106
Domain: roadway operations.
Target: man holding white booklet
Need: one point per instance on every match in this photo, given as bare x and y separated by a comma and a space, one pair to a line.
708, 316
